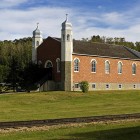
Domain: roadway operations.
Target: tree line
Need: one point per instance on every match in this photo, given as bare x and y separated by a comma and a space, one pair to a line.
115, 40
14, 57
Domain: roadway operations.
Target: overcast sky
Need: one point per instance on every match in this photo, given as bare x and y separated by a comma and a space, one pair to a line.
111, 18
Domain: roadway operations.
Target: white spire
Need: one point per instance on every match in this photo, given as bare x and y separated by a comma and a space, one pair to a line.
37, 24
66, 17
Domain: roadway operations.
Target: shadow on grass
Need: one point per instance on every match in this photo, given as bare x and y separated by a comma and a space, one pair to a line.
130, 133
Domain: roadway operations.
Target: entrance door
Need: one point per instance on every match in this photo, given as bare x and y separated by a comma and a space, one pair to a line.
49, 73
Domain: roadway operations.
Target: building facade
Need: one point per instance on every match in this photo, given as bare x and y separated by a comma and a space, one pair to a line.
68, 62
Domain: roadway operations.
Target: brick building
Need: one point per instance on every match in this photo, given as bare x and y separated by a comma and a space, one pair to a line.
69, 62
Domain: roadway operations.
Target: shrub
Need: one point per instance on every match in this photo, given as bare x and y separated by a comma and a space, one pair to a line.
84, 85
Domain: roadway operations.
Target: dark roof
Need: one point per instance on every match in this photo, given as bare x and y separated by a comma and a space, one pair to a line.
102, 49
133, 51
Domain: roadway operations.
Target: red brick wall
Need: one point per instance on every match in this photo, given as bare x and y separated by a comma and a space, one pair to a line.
50, 49
100, 76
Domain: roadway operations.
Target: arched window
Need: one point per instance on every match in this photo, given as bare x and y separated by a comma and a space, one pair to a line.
107, 67
37, 43
39, 62
63, 37
76, 65
93, 65
133, 68
48, 64
58, 64
120, 67
68, 37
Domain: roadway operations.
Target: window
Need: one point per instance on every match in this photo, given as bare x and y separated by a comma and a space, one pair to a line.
94, 86
58, 64
119, 67
76, 65
107, 86
39, 62
37, 43
134, 86
68, 37
120, 86
63, 37
48, 64
107, 67
76, 85
133, 68
93, 66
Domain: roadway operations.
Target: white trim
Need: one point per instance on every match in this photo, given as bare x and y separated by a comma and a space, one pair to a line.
106, 72
118, 67
74, 64
134, 86
76, 58
135, 69
120, 62
105, 56
94, 85
134, 63
47, 62
93, 60
39, 62
93, 72
107, 61
119, 86
108, 86
77, 84
58, 68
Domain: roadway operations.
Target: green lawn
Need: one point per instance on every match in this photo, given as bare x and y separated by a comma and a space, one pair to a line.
44, 105
111, 131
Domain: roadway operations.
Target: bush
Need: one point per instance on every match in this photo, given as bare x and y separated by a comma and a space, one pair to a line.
84, 85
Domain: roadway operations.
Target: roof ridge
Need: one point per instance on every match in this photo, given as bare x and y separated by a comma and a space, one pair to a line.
56, 38
99, 43
134, 52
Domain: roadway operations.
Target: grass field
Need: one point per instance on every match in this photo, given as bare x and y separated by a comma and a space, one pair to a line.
111, 131
44, 105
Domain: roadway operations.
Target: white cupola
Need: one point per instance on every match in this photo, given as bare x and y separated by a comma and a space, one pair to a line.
66, 40
36, 41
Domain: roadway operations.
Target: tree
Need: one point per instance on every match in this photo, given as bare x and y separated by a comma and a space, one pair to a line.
84, 85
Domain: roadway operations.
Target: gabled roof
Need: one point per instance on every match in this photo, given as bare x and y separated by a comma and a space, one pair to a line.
102, 49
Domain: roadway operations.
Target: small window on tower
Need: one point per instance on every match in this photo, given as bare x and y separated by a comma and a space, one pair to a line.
37, 43
63, 37
58, 64
68, 37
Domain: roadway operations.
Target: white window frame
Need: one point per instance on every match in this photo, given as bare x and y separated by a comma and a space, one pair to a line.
58, 65
37, 43
120, 67
93, 85
120, 86
107, 86
134, 71
93, 66
76, 67
39, 62
68, 37
48, 61
134, 86
76, 85
107, 67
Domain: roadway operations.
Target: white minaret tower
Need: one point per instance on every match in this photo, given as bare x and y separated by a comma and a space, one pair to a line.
36, 41
66, 55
